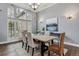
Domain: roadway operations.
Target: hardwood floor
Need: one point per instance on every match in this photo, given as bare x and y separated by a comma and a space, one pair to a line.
72, 51
15, 49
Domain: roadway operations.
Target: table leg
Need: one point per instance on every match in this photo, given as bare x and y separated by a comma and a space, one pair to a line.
52, 41
42, 48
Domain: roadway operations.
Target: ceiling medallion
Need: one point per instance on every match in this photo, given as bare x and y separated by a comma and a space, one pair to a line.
34, 6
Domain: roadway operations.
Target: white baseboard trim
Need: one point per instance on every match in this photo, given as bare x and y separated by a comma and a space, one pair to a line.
7, 42
72, 44
69, 43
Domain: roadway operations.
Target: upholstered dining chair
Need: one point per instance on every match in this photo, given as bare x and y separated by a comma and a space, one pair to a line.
24, 39
58, 49
31, 43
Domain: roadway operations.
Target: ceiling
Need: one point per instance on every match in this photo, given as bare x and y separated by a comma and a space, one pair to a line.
40, 8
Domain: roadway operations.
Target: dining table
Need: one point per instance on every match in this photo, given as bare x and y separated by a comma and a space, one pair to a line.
43, 39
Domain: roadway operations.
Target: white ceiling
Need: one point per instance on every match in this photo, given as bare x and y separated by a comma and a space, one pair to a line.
40, 8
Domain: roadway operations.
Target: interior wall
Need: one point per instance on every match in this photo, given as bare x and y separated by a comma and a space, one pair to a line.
62, 11
3, 22
34, 22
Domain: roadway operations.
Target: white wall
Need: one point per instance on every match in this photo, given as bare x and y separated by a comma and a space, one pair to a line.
69, 26
3, 22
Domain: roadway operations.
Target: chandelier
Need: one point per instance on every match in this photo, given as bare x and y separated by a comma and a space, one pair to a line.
34, 6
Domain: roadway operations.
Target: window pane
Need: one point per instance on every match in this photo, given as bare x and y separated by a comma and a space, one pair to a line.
30, 26
10, 12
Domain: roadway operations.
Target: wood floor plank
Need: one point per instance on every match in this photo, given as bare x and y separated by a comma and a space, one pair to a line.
15, 49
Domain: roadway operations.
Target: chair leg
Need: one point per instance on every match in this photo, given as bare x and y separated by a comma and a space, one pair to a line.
52, 42
49, 43
48, 53
63, 54
28, 49
25, 46
22, 44
32, 51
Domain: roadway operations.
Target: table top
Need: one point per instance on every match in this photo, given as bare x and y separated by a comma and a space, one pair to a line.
43, 38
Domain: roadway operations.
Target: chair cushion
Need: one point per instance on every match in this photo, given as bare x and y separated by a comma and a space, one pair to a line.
54, 48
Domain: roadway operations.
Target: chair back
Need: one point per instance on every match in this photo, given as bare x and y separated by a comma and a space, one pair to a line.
23, 35
30, 39
24, 32
57, 35
46, 33
62, 36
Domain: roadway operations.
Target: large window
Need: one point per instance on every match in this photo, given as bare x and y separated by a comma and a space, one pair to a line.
18, 20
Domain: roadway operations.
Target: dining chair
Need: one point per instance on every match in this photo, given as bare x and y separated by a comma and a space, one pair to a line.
24, 39
58, 49
56, 40
31, 43
46, 33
